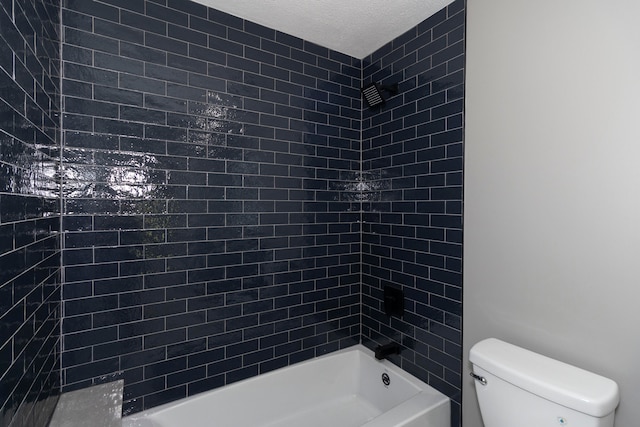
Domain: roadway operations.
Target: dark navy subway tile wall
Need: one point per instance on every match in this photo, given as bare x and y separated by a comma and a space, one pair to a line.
228, 206
211, 215
412, 220
29, 212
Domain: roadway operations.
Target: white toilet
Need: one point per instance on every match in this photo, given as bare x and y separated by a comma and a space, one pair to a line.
517, 387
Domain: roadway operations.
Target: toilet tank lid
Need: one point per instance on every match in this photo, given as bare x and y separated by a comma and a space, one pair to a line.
551, 379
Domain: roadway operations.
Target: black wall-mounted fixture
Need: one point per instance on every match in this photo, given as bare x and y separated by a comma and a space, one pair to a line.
393, 301
373, 93
386, 350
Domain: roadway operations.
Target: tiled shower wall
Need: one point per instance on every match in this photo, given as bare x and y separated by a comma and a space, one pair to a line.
211, 214
213, 197
29, 212
412, 221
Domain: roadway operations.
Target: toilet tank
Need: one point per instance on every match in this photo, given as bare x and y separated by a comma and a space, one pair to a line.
526, 389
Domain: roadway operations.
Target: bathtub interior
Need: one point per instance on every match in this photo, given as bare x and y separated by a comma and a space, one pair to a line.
345, 388
382, 384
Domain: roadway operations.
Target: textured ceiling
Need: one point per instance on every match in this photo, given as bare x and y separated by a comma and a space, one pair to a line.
354, 27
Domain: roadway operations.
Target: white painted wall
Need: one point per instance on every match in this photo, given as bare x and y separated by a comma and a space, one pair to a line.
552, 186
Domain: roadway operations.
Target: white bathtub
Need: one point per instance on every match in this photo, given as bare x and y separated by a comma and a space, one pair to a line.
341, 389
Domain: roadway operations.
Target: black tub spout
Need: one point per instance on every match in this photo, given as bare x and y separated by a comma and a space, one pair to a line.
386, 350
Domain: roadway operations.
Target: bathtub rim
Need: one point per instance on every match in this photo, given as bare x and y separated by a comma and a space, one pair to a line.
426, 393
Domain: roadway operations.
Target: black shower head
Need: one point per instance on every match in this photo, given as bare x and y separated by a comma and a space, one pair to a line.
373, 93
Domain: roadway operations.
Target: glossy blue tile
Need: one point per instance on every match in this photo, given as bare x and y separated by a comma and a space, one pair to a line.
241, 37
90, 75
143, 53
138, 20
134, 5
166, 14
422, 127
165, 396
192, 63
188, 7
225, 149
187, 35
122, 32
77, 20
91, 41
144, 327
166, 43
201, 23
30, 252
